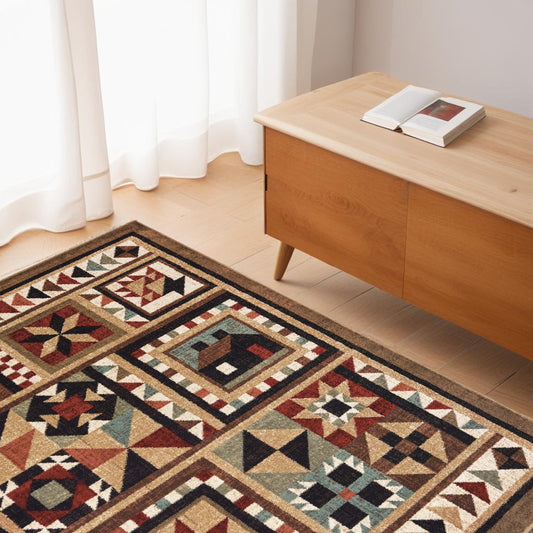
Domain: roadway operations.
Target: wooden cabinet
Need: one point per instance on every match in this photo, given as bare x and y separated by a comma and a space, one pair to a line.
470, 267
448, 229
345, 213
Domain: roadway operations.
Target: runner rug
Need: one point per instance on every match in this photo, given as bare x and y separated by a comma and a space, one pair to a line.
146, 388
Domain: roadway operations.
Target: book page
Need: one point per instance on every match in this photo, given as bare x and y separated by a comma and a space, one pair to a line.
441, 116
405, 103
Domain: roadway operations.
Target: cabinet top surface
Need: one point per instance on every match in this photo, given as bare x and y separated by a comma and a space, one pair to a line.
489, 166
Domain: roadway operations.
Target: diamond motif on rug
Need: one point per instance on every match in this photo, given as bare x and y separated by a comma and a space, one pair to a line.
155, 287
229, 352
261, 343
406, 448
53, 494
275, 451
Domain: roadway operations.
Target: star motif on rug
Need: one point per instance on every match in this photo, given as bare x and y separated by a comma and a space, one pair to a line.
60, 334
339, 414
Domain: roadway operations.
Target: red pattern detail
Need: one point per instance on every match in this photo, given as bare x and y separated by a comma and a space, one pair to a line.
208, 430
347, 494
157, 404
356, 390
437, 405
402, 387
314, 424
318, 350
349, 364
310, 392
129, 386
19, 300
219, 404
260, 351
162, 438
290, 408
136, 324
21, 494
271, 381
180, 527
243, 502
18, 450
478, 489
333, 379
140, 518
340, 438
382, 406
72, 407
7, 309
204, 475
363, 424
63, 279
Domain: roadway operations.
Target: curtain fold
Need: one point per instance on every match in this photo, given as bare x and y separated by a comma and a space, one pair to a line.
111, 92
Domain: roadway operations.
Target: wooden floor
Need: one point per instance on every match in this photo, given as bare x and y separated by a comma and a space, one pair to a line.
222, 216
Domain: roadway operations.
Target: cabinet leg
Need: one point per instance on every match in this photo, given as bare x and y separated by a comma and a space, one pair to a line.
284, 256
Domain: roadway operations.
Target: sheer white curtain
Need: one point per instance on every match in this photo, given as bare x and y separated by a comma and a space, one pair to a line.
98, 93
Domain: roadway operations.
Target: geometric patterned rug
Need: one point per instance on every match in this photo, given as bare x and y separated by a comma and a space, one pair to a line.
146, 388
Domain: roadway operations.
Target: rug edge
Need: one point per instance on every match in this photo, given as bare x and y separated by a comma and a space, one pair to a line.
20, 275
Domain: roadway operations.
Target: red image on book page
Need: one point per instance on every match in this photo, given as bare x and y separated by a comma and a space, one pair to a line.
442, 110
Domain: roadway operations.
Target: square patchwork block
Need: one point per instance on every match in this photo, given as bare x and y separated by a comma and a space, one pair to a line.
226, 355
53, 494
155, 287
57, 336
344, 494
336, 408
229, 352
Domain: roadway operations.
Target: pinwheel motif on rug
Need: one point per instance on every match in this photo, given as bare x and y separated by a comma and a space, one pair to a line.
146, 388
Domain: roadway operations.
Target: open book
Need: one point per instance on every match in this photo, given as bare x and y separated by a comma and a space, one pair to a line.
425, 114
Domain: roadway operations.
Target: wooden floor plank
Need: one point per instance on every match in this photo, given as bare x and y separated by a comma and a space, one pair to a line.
483, 367
516, 391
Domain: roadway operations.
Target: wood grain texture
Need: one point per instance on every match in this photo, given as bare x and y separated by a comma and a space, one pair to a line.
489, 166
471, 267
340, 211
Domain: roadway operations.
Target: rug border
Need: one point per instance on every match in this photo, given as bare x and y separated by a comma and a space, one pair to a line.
472, 400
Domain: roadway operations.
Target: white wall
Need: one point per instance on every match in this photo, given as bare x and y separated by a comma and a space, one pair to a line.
478, 49
332, 54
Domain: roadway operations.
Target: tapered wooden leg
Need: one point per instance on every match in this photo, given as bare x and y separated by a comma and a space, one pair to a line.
284, 256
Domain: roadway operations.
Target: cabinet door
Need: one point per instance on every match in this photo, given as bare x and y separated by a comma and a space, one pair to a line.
340, 211
471, 267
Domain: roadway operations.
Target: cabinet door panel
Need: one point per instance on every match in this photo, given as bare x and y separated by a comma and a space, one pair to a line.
340, 211
471, 267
